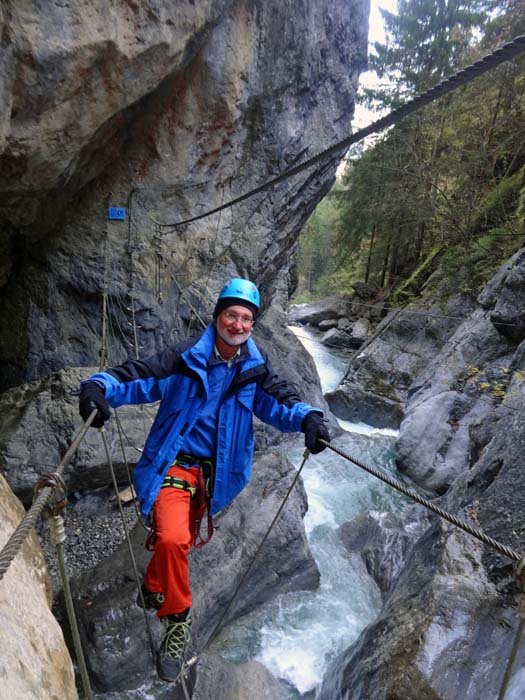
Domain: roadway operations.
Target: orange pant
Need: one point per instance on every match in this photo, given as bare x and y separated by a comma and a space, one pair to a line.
168, 570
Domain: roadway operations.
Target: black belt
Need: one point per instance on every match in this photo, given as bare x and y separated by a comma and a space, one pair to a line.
192, 460
207, 464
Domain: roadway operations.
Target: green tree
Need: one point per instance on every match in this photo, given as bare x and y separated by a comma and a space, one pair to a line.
451, 177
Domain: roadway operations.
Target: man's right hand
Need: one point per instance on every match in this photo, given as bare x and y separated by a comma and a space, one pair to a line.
91, 397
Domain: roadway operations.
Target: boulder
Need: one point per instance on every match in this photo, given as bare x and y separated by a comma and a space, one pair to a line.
338, 339
40, 422
333, 307
220, 680
328, 324
382, 540
361, 330
345, 325
34, 659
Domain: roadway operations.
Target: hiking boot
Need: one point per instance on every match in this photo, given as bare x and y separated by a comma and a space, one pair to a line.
152, 601
175, 640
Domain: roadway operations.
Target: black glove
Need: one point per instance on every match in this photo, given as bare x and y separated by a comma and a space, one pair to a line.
91, 397
314, 428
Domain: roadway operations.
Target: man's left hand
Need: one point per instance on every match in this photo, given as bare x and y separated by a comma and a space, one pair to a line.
314, 428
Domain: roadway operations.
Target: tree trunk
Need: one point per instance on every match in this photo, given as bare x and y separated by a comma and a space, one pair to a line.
369, 258
385, 261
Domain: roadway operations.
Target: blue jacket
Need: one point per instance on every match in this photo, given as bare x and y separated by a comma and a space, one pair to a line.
177, 377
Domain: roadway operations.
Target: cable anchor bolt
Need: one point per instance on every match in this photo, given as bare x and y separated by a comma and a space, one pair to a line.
58, 498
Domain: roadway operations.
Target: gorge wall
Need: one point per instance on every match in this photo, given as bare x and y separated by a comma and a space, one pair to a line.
451, 368
167, 110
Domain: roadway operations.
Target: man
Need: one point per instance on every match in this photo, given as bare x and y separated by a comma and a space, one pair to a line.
201, 440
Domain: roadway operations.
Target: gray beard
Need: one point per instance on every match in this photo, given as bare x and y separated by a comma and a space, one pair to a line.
233, 342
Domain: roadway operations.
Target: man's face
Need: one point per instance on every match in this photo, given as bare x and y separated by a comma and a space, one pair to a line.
234, 325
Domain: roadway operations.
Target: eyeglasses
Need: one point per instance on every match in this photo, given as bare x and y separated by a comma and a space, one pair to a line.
233, 318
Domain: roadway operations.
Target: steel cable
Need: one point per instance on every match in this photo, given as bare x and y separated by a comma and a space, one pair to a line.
504, 53
15, 542
454, 520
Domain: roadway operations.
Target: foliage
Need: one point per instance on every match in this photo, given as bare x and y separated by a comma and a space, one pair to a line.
451, 178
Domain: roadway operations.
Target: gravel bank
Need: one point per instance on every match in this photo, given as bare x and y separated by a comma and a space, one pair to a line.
94, 529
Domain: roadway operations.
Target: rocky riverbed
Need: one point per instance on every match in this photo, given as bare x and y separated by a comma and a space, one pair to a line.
448, 371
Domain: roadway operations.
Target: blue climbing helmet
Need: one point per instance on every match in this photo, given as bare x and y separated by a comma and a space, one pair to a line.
238, 292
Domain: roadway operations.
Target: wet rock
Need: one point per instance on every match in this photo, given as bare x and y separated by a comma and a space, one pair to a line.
328, 324
442, 616
377, 403
382, 540
339, 339
344, 325
450, 615
219, 680
376, 386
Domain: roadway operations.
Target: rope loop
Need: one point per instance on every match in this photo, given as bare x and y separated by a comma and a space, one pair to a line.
57, 499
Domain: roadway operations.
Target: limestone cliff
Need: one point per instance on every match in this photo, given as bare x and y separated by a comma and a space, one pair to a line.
34, 661
166, 109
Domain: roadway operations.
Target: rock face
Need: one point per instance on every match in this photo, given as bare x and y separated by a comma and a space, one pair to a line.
377, 383
450, 603
382, 540
41, 419
34, 660
166, 110
218, 680
106, 594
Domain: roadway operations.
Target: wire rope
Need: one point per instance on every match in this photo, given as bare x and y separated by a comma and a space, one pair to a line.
504, 53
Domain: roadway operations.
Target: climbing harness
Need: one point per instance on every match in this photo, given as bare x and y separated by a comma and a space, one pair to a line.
202, 493
173, 482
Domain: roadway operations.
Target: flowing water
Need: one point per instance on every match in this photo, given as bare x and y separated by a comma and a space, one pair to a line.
298, 634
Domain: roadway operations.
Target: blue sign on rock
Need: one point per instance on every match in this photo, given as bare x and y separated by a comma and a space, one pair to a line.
117, 213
